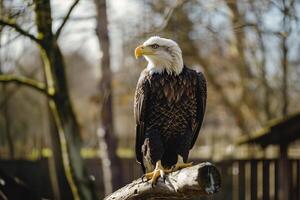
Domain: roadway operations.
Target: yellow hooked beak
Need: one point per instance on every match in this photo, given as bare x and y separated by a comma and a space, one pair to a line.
138, 51
143, 50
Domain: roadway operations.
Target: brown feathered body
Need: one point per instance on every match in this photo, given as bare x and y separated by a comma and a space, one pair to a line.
169, 111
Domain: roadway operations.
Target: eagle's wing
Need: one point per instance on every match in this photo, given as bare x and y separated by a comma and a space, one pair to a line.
201, 94
140, 101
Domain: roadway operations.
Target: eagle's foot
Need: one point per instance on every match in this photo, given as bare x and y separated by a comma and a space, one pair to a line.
180, 164
159, 171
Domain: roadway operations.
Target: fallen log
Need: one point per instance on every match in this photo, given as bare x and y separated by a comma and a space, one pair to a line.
200, 180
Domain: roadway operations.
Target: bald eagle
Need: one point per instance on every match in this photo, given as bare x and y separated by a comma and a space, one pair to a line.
169, 107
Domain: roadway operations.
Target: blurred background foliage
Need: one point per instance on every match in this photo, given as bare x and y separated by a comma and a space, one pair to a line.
249, 51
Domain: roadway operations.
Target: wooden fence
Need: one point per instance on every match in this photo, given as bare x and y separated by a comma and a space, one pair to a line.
241, 179
256, 180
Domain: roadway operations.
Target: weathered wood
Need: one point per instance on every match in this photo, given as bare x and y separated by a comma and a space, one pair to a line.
253, 179
242, 181
276, 186
284, 176
266, 181
200, 180
298, 180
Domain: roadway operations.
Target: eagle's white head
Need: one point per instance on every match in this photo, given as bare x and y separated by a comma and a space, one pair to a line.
162, 55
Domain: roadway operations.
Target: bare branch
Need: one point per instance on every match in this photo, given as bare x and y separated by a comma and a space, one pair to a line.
10, 93
277, 6
166, 19
200, 180
235, 109
20, 30
78, 18
241, 26
34, 84
66, 18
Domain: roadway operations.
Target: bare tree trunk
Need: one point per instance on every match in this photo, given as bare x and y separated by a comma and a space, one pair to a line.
6, 107
113, 162
6, 116
266, 100
262, 64
284, 77
266, 86
241, 64
7, 128
57, 92
263, 78
237, 20
284, 61
60, 105
56, 163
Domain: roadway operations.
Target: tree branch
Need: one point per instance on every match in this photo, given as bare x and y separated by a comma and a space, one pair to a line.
10, 93
166, 19
200, 180
20, 30
66, 18
34, 84
235, 109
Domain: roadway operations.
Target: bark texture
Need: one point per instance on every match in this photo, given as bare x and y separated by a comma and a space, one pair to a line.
110, 162
200, 180
60, 104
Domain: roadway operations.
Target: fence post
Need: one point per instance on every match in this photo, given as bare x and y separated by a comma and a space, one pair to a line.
253, 179
242, 180
284, 173
266, 180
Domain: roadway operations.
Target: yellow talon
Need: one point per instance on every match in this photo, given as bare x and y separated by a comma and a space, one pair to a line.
180, 164
159, 171
149, 175
155, 177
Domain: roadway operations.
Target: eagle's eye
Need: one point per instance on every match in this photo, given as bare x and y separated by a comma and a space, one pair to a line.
154, 46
